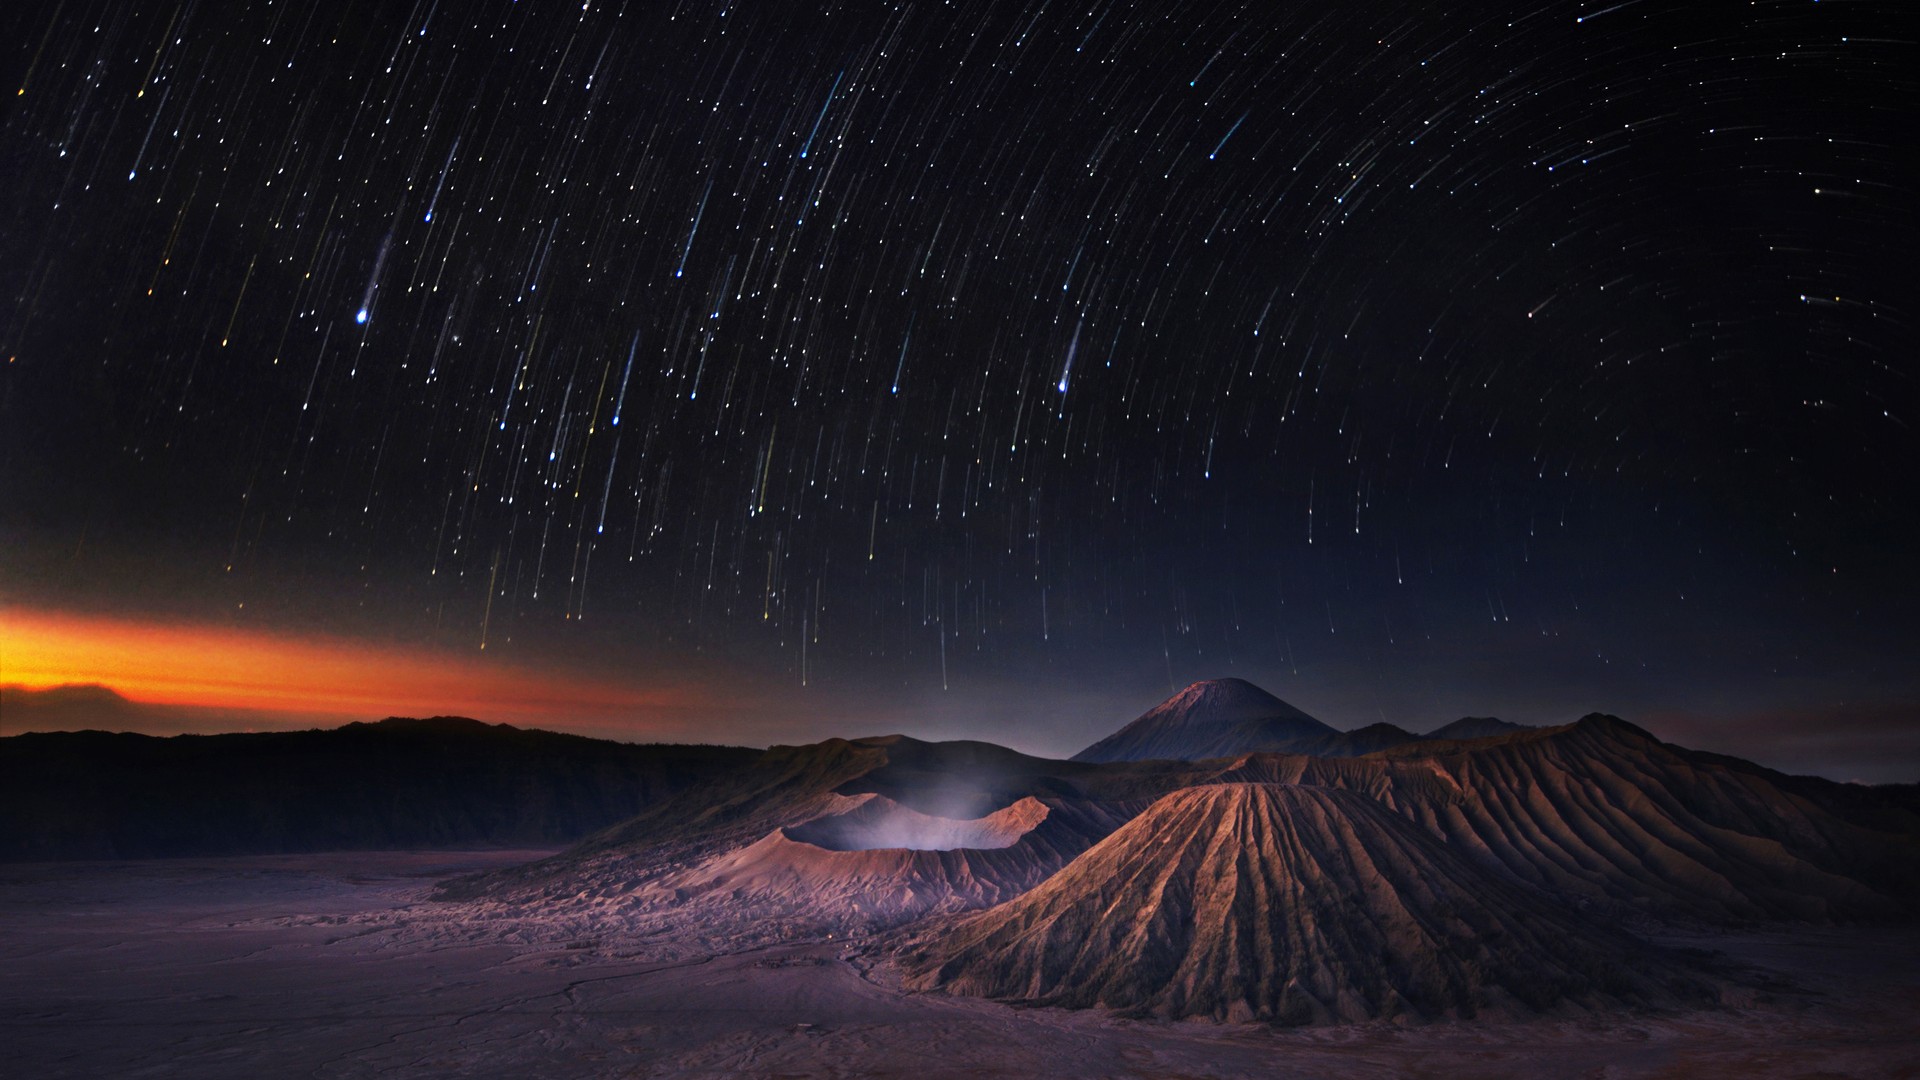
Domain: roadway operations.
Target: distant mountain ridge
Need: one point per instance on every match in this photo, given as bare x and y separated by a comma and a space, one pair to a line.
1217, 718
441, 782
1475, 727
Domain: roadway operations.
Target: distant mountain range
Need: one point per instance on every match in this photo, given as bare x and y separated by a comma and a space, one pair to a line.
1223, 717
443, 782
1225, 855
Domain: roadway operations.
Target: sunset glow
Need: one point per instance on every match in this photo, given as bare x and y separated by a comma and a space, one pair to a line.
218, 667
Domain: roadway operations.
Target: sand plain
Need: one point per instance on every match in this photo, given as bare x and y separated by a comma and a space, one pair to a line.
338, 965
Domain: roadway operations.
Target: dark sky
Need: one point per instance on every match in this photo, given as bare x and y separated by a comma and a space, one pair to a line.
990, 367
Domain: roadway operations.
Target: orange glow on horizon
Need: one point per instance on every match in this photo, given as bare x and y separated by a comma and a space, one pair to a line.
187, 664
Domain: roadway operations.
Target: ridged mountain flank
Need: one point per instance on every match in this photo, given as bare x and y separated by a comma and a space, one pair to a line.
1602, 810
1291, 905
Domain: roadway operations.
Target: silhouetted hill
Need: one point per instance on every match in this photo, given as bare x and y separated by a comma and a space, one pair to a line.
399, 783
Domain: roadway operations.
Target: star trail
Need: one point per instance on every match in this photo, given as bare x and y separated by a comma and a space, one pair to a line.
1527, 358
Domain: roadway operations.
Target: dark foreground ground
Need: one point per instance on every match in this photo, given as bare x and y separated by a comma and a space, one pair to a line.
333, 965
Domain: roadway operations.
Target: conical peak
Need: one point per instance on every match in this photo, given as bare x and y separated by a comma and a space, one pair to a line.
1225, 690
1213, 718
1224, 700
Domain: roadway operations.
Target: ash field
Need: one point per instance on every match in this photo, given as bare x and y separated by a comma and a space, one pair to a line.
1225, 887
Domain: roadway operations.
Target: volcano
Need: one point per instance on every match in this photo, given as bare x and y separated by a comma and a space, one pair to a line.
1291, 905
1210, 719
1475, 727
872, 862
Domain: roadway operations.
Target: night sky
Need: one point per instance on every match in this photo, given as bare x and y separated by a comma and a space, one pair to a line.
986, 368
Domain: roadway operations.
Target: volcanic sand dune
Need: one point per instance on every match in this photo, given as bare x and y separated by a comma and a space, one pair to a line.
1293, 905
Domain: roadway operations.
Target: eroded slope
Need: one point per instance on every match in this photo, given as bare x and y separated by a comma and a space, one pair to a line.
1289, 904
